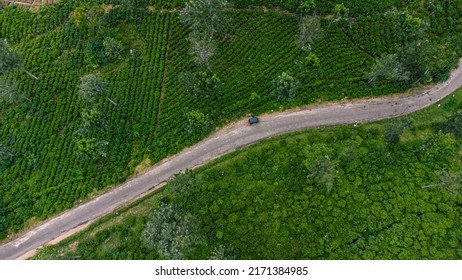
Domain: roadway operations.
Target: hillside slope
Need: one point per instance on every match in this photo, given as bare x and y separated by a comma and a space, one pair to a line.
381, 198
45, 176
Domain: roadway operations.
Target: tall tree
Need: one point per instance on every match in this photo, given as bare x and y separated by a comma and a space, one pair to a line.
321, 164
340, 14
305, 7
91, 88
450, 180
6, 157
88, 18
92, 120
205, 16
388, 67
9, 92
309, 30
285, 86
11, 60
407, 27
453, 124
439, 148
201, 83
395, 129
86, 137
202, 49
113, 48
428, 61
171, 232
311, 62
91, 148
197, 121
204, 19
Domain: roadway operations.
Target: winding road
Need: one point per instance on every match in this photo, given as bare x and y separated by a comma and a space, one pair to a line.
222, 142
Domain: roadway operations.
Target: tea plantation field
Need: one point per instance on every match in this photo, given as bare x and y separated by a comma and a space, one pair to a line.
387, 199
42, 174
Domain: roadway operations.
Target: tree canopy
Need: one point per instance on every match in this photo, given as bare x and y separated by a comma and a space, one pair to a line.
285, 86
91, 87
388, 67
321, 164
204, 19
309, 30
205, 16
9, 59
88, 136
170, 232
9, 92
453, 124
6, 157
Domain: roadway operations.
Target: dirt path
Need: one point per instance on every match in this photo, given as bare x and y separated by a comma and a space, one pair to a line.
162, 87
224, 141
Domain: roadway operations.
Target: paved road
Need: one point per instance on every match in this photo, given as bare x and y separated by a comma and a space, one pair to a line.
223, 142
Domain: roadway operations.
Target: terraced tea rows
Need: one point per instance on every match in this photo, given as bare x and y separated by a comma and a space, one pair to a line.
46, 176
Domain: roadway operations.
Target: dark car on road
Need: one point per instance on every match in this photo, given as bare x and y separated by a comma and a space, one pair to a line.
253, 120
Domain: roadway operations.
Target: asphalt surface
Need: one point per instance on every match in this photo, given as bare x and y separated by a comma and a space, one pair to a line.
222, 142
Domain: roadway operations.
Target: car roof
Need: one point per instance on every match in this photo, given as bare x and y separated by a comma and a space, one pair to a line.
253, 119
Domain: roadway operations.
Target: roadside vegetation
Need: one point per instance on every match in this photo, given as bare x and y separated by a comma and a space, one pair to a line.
94, 89
384, 190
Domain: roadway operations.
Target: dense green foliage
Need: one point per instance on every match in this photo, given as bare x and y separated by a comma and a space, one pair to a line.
453, 125
171, 233
140, 50
285, 86
322, 6
48, 176
400, 201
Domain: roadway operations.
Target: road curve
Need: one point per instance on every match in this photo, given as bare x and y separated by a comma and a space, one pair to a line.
225, 141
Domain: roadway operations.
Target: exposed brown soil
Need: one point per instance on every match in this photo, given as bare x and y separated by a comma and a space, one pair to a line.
29, 4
